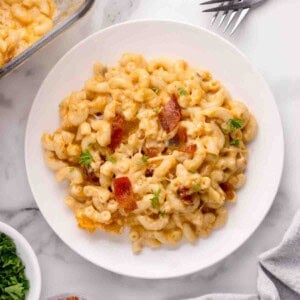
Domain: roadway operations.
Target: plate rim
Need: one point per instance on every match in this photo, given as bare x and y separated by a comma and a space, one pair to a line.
281, 155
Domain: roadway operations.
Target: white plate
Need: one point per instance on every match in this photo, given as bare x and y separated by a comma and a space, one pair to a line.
200, 48
25, 252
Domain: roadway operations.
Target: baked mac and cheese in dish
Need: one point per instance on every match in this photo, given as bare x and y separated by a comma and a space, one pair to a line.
156, 146
23, 22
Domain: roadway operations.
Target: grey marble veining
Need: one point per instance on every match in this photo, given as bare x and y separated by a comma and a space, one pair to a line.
271, 45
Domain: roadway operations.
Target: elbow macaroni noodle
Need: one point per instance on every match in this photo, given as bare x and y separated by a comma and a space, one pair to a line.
22, 23
177, 193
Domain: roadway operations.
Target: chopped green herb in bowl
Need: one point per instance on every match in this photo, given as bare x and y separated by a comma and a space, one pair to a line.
20, 274
14, 284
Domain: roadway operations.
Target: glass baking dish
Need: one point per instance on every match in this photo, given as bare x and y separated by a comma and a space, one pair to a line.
68, 12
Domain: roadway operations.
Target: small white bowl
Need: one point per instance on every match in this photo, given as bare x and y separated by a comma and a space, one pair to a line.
26, 253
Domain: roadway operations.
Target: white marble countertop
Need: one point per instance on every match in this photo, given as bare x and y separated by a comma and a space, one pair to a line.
269, 37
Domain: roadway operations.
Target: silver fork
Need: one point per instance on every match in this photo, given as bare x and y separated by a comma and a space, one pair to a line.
234, 10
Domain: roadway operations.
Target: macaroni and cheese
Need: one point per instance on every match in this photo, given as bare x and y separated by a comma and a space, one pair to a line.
23, 22
156, 146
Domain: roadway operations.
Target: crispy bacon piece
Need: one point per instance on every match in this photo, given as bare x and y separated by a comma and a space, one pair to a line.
228, 190
170, 115
124, 194
72, 298
185, 194
189, 148
117, 131
181, 135
150, 151
90, 175
149, 172
206, 210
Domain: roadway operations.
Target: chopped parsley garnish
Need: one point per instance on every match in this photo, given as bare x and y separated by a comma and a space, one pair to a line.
91, 145
13, 281
196, 187
182, 92
234, 142
163, 214
155, 110
193, 171
111, 159
145, 159
85, 158
71, 169
235, 124
155, 199
155, 90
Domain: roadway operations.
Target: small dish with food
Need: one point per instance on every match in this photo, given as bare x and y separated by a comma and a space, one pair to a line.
27, 25
19, 268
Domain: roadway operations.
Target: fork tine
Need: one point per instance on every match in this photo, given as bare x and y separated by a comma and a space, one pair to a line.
213, 1
215, 15
239, 20
213, 19
225, 13
236, 6
232, 15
